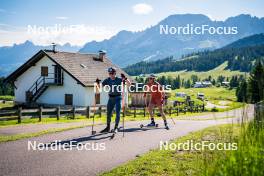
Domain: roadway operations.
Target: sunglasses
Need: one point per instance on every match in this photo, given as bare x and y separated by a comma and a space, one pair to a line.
111, 73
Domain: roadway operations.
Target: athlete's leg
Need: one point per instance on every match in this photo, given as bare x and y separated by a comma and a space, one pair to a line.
118, 110
160, 107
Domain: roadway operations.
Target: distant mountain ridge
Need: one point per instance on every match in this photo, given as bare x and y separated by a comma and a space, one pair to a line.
13, 56
127, 47
240, 55
253, 40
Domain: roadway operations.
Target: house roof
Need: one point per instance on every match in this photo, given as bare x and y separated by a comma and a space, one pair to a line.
84, 68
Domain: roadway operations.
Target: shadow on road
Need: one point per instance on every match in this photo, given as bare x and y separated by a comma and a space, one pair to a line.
96, 137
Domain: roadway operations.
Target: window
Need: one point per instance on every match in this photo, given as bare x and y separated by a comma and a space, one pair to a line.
68, 99
58, 75
28, 96
97, 98
44, 71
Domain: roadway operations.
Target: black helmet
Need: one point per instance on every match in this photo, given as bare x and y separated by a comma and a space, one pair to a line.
111, 70
152, 76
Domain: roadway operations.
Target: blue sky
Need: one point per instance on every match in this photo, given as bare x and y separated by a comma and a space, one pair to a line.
101, 19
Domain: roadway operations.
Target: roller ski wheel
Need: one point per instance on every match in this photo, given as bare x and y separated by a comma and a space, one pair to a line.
166, 127
149, 126
113, 131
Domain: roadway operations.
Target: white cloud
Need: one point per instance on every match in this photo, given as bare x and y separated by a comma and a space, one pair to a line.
62, 18
142, 9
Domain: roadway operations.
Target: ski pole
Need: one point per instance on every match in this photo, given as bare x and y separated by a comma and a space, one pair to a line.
170, 116
123, 100
123, 107
93, 132
172, 120
96, 90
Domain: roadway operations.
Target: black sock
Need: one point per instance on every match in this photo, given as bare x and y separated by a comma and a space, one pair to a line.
165, 122
116, 126
108, 125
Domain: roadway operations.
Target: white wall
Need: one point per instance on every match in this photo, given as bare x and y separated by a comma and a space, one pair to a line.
56, 94
82, 96
26, 80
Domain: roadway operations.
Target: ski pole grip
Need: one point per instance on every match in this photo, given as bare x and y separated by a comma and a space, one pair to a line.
97, 81
123, 76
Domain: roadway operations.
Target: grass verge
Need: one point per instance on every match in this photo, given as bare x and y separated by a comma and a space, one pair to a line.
246, 160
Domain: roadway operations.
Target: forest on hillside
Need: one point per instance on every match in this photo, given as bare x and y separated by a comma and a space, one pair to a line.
241, 59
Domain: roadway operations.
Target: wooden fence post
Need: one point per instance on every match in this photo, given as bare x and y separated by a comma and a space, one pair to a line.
144, 112
88, 112
73, 112
58, 113
178, 110
40, 113
135, 112
19, 117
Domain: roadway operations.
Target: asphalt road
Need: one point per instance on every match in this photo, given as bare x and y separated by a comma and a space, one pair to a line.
16, 159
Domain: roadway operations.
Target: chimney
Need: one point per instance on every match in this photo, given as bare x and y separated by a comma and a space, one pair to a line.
102, 55
53, 47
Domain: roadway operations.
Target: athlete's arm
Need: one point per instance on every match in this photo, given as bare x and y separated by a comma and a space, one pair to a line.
124, 78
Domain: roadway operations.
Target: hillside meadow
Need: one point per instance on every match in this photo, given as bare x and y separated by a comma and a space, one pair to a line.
214, 73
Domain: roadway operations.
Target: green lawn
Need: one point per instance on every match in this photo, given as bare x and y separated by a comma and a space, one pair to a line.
216, 95
6, 97
220, 70
246, 160
173, 162
98, 119
6, 105
211, 93
47, 120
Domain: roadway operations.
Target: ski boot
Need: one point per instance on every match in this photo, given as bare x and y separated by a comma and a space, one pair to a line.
152, 124
106, 130
166, 125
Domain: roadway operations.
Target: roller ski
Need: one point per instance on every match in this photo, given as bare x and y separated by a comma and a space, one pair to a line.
154, 125
151, 125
